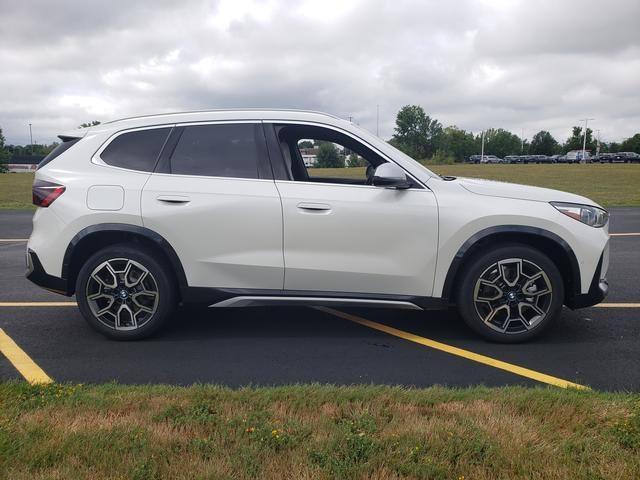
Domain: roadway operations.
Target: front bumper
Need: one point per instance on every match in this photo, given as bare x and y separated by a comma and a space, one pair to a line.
597, 291
36, 273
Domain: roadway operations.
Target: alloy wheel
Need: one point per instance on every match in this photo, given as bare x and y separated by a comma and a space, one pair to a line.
513, 295
122, 294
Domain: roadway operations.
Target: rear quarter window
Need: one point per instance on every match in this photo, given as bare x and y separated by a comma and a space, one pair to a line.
63, 147
137, 150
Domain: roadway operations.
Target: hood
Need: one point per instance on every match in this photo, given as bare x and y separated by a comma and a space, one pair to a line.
522, 192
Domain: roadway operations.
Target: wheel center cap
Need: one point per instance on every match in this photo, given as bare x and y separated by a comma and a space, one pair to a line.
512, 296
123, 293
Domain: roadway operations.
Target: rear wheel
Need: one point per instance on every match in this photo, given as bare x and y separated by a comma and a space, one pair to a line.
511, 294
125, 293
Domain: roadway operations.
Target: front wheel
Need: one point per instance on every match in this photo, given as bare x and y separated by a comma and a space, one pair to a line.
510, 294
125, 293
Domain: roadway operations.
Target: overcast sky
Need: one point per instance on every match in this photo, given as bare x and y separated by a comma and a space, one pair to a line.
474, 63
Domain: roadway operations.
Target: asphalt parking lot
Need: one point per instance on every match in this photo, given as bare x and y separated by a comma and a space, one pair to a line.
598, 347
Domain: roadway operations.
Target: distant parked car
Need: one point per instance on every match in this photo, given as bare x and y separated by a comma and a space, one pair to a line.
627, 157
556, 158
540, 159
575, 156
491, 159
513, 159
606, 157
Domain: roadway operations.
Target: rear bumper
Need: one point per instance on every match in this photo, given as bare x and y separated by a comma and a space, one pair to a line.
597, 291
36, 273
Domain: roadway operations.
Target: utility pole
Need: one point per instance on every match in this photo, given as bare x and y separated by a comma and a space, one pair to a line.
31, 139
522, 142
378, 120
598, 143
584, 138
482, 148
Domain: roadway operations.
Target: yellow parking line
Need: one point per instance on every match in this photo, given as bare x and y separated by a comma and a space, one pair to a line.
23, 363
14, 239
624, 234
38, 304
617, 305
443, 347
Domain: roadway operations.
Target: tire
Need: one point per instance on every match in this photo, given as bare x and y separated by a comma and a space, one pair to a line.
113, 281
524, 317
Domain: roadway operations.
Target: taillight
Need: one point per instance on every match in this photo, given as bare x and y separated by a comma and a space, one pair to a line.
45, 193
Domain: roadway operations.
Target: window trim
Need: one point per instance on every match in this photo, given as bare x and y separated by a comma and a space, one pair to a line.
96, 158
274, 144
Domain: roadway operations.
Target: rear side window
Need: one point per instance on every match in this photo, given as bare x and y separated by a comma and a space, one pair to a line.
221, 150
63, 147
136, 150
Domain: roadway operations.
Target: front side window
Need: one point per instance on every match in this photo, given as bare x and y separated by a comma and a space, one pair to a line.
316, 154
219, 150
137, 150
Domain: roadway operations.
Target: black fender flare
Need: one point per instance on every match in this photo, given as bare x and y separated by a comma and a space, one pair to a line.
148, 234
468, 246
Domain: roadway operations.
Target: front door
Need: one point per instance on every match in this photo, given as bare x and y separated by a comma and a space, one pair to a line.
342, 234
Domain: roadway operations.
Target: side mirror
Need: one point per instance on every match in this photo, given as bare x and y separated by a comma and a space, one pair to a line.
390, 175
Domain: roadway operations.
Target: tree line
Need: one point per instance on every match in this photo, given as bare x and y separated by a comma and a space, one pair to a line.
424, 138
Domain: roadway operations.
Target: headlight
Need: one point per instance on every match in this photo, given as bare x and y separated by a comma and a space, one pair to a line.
592, 216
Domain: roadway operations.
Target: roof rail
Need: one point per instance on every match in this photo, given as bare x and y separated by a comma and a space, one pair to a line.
226, 110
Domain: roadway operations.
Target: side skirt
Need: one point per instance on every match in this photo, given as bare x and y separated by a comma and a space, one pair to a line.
219, 298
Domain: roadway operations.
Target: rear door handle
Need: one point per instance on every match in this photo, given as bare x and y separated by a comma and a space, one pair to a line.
173, 199
312, 207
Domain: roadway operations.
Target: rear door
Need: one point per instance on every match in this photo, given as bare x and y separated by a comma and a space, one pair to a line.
214, 200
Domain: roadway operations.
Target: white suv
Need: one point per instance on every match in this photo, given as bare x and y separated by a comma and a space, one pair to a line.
218, 208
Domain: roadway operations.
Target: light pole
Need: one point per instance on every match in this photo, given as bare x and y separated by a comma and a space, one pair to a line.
482, 148
31, 139
584, 138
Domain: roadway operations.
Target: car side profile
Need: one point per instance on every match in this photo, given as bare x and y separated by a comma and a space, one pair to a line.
219, 208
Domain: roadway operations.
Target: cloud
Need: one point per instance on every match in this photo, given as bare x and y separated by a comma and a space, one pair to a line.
473, 63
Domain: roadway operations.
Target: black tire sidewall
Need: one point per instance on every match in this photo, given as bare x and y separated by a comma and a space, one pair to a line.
480, 263
161, 274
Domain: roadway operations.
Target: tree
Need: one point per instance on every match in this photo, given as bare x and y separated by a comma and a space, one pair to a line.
457, 143
574, 142
631, 144
305, 144
543, 143
354, 160
500, 142
613, 147
4, 154
328, 156
90, 124
416, 133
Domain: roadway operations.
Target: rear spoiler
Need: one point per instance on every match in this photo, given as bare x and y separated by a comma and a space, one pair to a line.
73, 134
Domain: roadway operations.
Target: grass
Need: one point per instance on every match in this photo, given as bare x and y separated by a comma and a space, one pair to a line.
323, 432
609, 185
15, 191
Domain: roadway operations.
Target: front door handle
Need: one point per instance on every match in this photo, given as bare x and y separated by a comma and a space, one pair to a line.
173, 199
311, 207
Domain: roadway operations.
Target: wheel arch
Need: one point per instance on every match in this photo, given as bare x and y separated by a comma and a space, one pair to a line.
548, 242
92, 238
